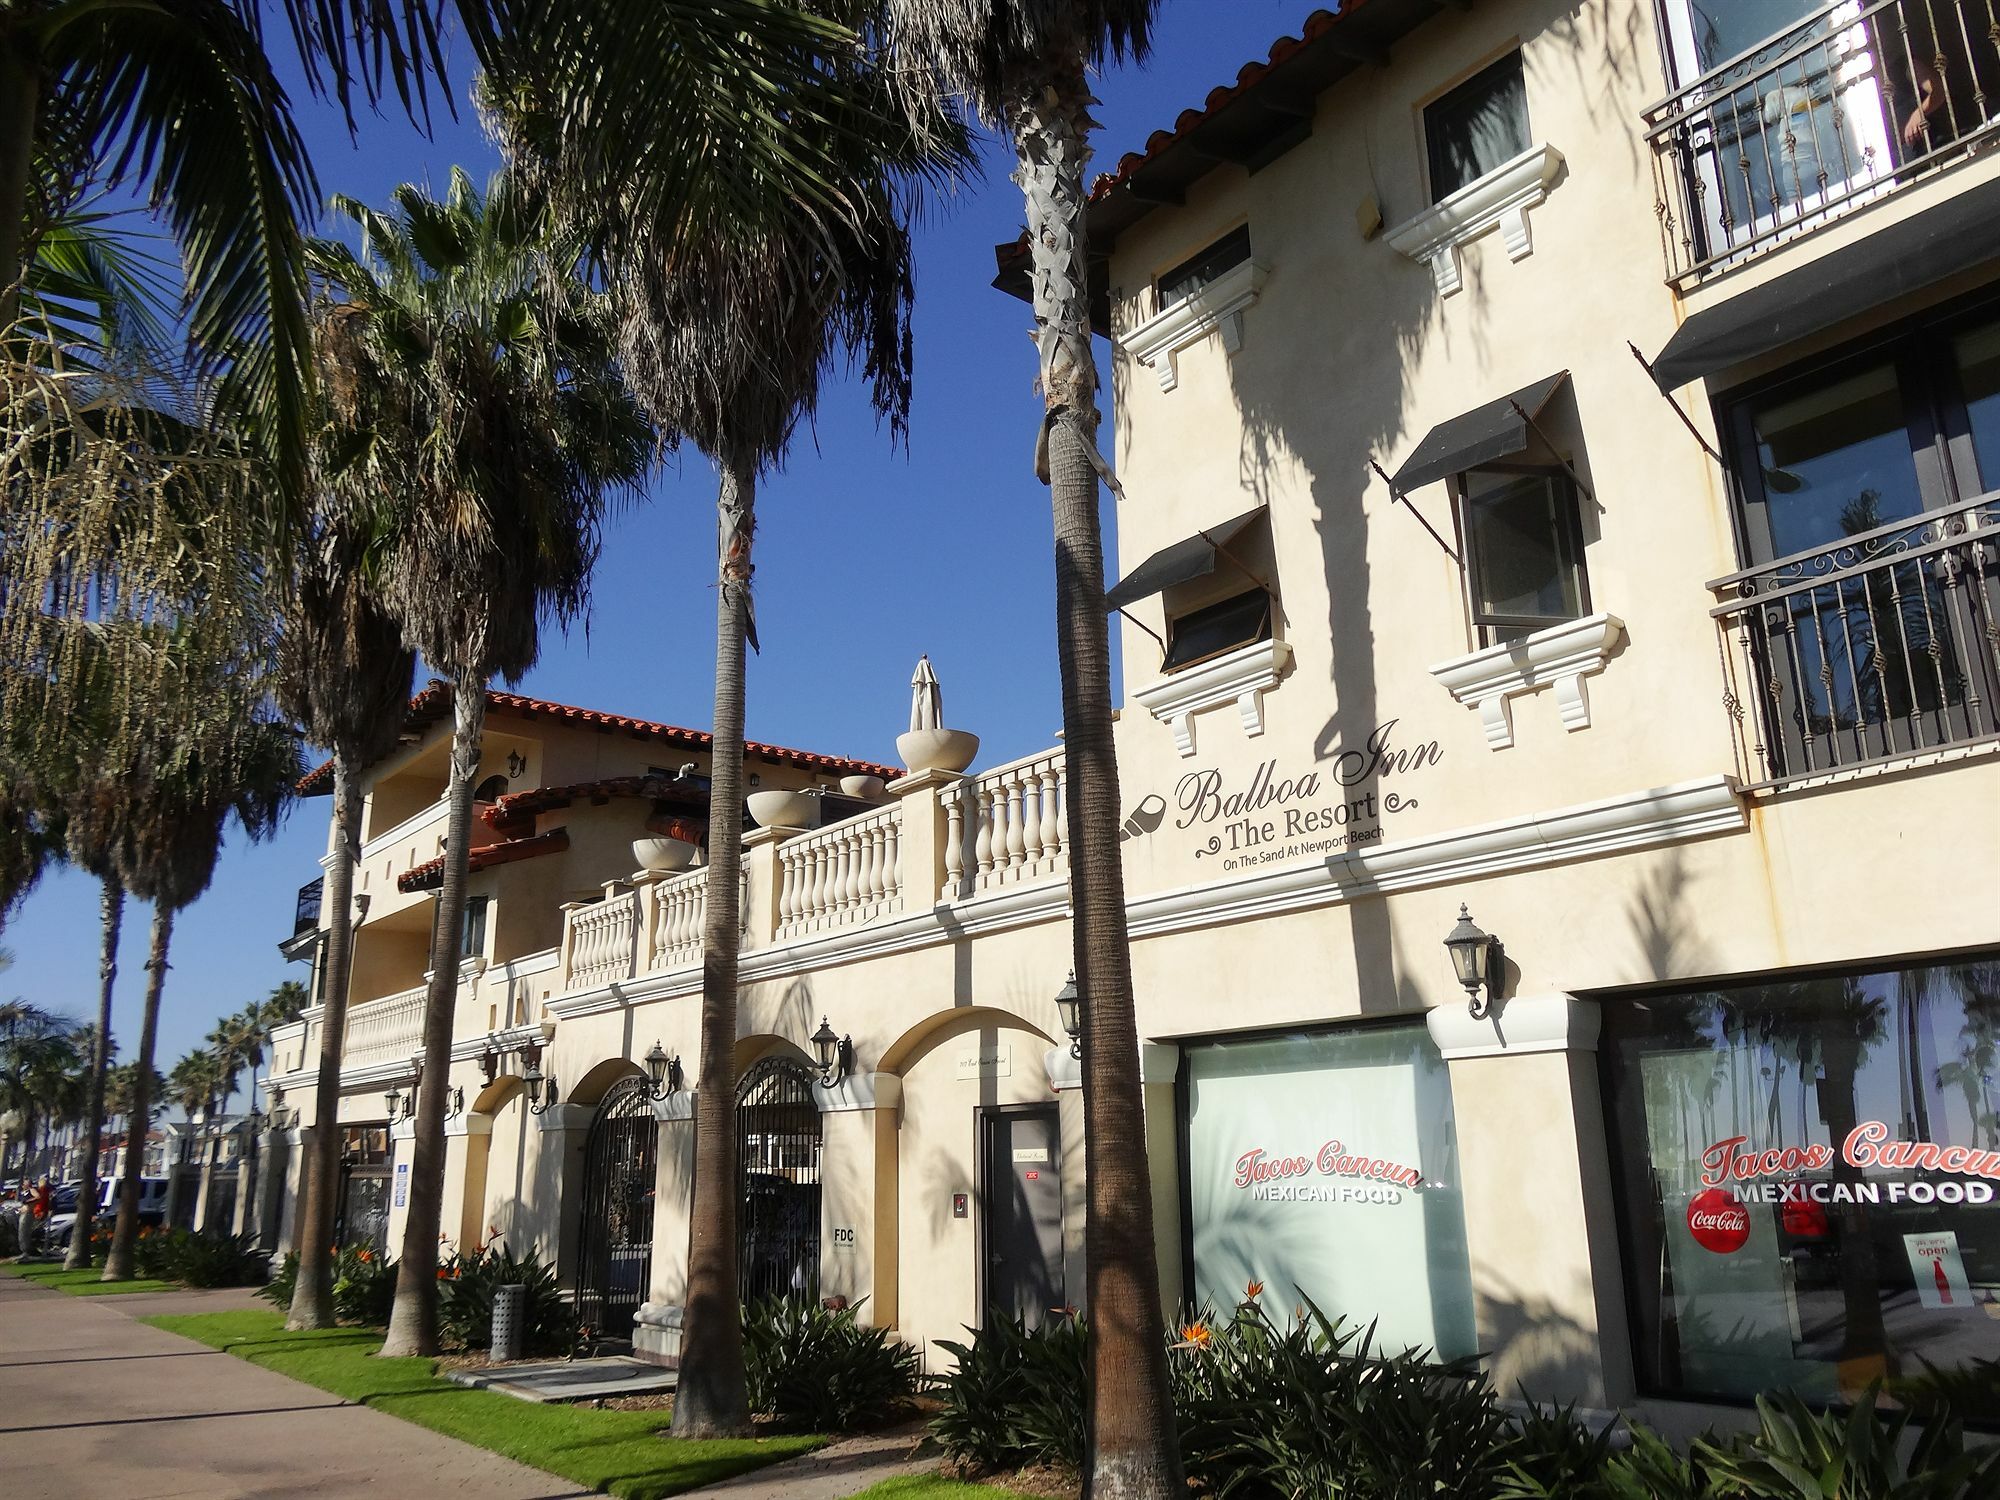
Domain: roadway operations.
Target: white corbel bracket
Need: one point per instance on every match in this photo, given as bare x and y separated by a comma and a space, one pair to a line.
1214, 307
1499, 200
1241, 677
1559, 657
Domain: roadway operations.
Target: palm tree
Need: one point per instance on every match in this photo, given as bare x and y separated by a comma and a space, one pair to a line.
345, 678
1024, 64
284, 1005
471, 379
40, 1072
216, 756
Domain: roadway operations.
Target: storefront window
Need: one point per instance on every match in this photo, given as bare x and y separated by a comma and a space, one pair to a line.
1808, 1171
1326, 1165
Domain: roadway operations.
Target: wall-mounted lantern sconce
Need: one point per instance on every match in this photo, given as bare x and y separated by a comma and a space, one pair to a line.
392, 1104
664, 1071
543, 1092
489, 1064
835, 1054
1069, 1005
455, 1102
516, 764
1479, 961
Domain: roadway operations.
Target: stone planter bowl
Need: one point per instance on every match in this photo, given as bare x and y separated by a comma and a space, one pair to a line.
867, 788
781, 809
658, 852
937, 749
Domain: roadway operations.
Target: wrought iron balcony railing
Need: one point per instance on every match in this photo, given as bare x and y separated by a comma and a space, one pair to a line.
1843, 106
307, 917
1883, 645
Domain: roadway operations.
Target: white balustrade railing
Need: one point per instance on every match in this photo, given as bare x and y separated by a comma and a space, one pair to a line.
841, 876
679, 905
1007, 826
603, 940
384, 1030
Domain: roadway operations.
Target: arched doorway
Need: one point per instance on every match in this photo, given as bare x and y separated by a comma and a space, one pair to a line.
615, 1238
777, 1181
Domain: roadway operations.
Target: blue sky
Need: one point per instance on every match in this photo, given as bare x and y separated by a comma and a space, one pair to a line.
866, 557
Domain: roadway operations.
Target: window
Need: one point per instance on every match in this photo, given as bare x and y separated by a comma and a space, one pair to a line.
1806, 1170
1478, 126
1329, 1162
475, 927
1523, 551
1196, 272
1208, 632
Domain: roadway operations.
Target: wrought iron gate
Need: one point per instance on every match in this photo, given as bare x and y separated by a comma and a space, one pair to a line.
777, 1180
615, 1237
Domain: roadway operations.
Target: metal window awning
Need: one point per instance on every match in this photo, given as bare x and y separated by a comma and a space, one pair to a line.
1894, 261
1183, 562
1481, 436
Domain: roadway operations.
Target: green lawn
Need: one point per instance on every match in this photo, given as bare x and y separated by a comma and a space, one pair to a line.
88, 1282
930, 1487
622, 1452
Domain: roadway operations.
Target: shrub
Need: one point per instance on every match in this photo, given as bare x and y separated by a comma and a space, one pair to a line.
1016, 1397
818, 1369
284, 1281
215, 1259
466, 1287
364, 1286
10, 1239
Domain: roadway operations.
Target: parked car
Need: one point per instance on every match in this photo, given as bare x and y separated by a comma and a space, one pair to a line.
152, 1207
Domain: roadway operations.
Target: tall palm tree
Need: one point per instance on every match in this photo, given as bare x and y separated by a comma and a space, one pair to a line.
40, 1074
216, 756
471, 379
1024, 64
345, 678
284, 1005
726, 337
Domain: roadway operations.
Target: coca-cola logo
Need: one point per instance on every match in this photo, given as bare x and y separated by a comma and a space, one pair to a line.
1718, 1222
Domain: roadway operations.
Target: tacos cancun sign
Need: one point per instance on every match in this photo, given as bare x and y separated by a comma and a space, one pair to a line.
1274, 817
1288, 1179
1728, 1162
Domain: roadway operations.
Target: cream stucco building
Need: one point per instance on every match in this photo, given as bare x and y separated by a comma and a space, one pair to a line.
1683, 680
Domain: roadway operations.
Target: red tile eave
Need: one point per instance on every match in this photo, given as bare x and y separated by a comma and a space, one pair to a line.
516, 806
423, 876
434, 702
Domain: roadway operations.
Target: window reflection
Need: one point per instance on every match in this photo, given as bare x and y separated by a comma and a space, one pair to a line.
1835, 461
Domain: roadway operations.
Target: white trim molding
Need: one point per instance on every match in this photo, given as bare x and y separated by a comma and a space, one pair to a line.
1241, 677
1159, 1062
859, 1091
566, 1117
1561, 656
469, 1123
1499, 200
676, 1108
1527, 1023
1216, 306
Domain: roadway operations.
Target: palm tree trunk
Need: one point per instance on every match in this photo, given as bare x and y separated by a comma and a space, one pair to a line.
118, 1264
312, 1293
204, 1197
100, 1061
1132, 1450
20, 98
413, 1326
711, 1399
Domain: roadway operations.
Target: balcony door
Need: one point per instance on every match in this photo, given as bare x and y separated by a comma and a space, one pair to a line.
1869, 491
1789, 109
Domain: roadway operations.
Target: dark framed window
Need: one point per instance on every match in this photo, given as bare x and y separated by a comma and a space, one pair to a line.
474, 942
1198, 270
1806, 1171
1523, 549
1478, 126
1213, 629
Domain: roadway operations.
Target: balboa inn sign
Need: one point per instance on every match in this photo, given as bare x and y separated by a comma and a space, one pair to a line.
1275, 817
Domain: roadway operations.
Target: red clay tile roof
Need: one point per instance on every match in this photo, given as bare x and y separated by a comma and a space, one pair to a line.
516, 806
1253, 121
430, 874
434, 703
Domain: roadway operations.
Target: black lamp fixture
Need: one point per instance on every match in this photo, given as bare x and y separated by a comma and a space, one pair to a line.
1069, 1005
664, 1071
455, 1102
1479, 960
835, 1054
392, 1103
542, 1089
516, 764
489, 1064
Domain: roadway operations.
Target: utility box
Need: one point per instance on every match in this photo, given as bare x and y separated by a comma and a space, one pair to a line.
509, 1313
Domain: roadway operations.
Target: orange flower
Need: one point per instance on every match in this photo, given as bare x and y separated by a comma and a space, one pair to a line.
364, 1256
1195, 1336
1253, 1291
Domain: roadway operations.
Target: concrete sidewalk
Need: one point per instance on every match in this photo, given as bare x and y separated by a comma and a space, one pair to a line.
95, 1404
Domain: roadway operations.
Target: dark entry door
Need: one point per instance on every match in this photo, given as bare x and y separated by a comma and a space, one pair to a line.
615, 1242
777, 1165
1024, 1243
